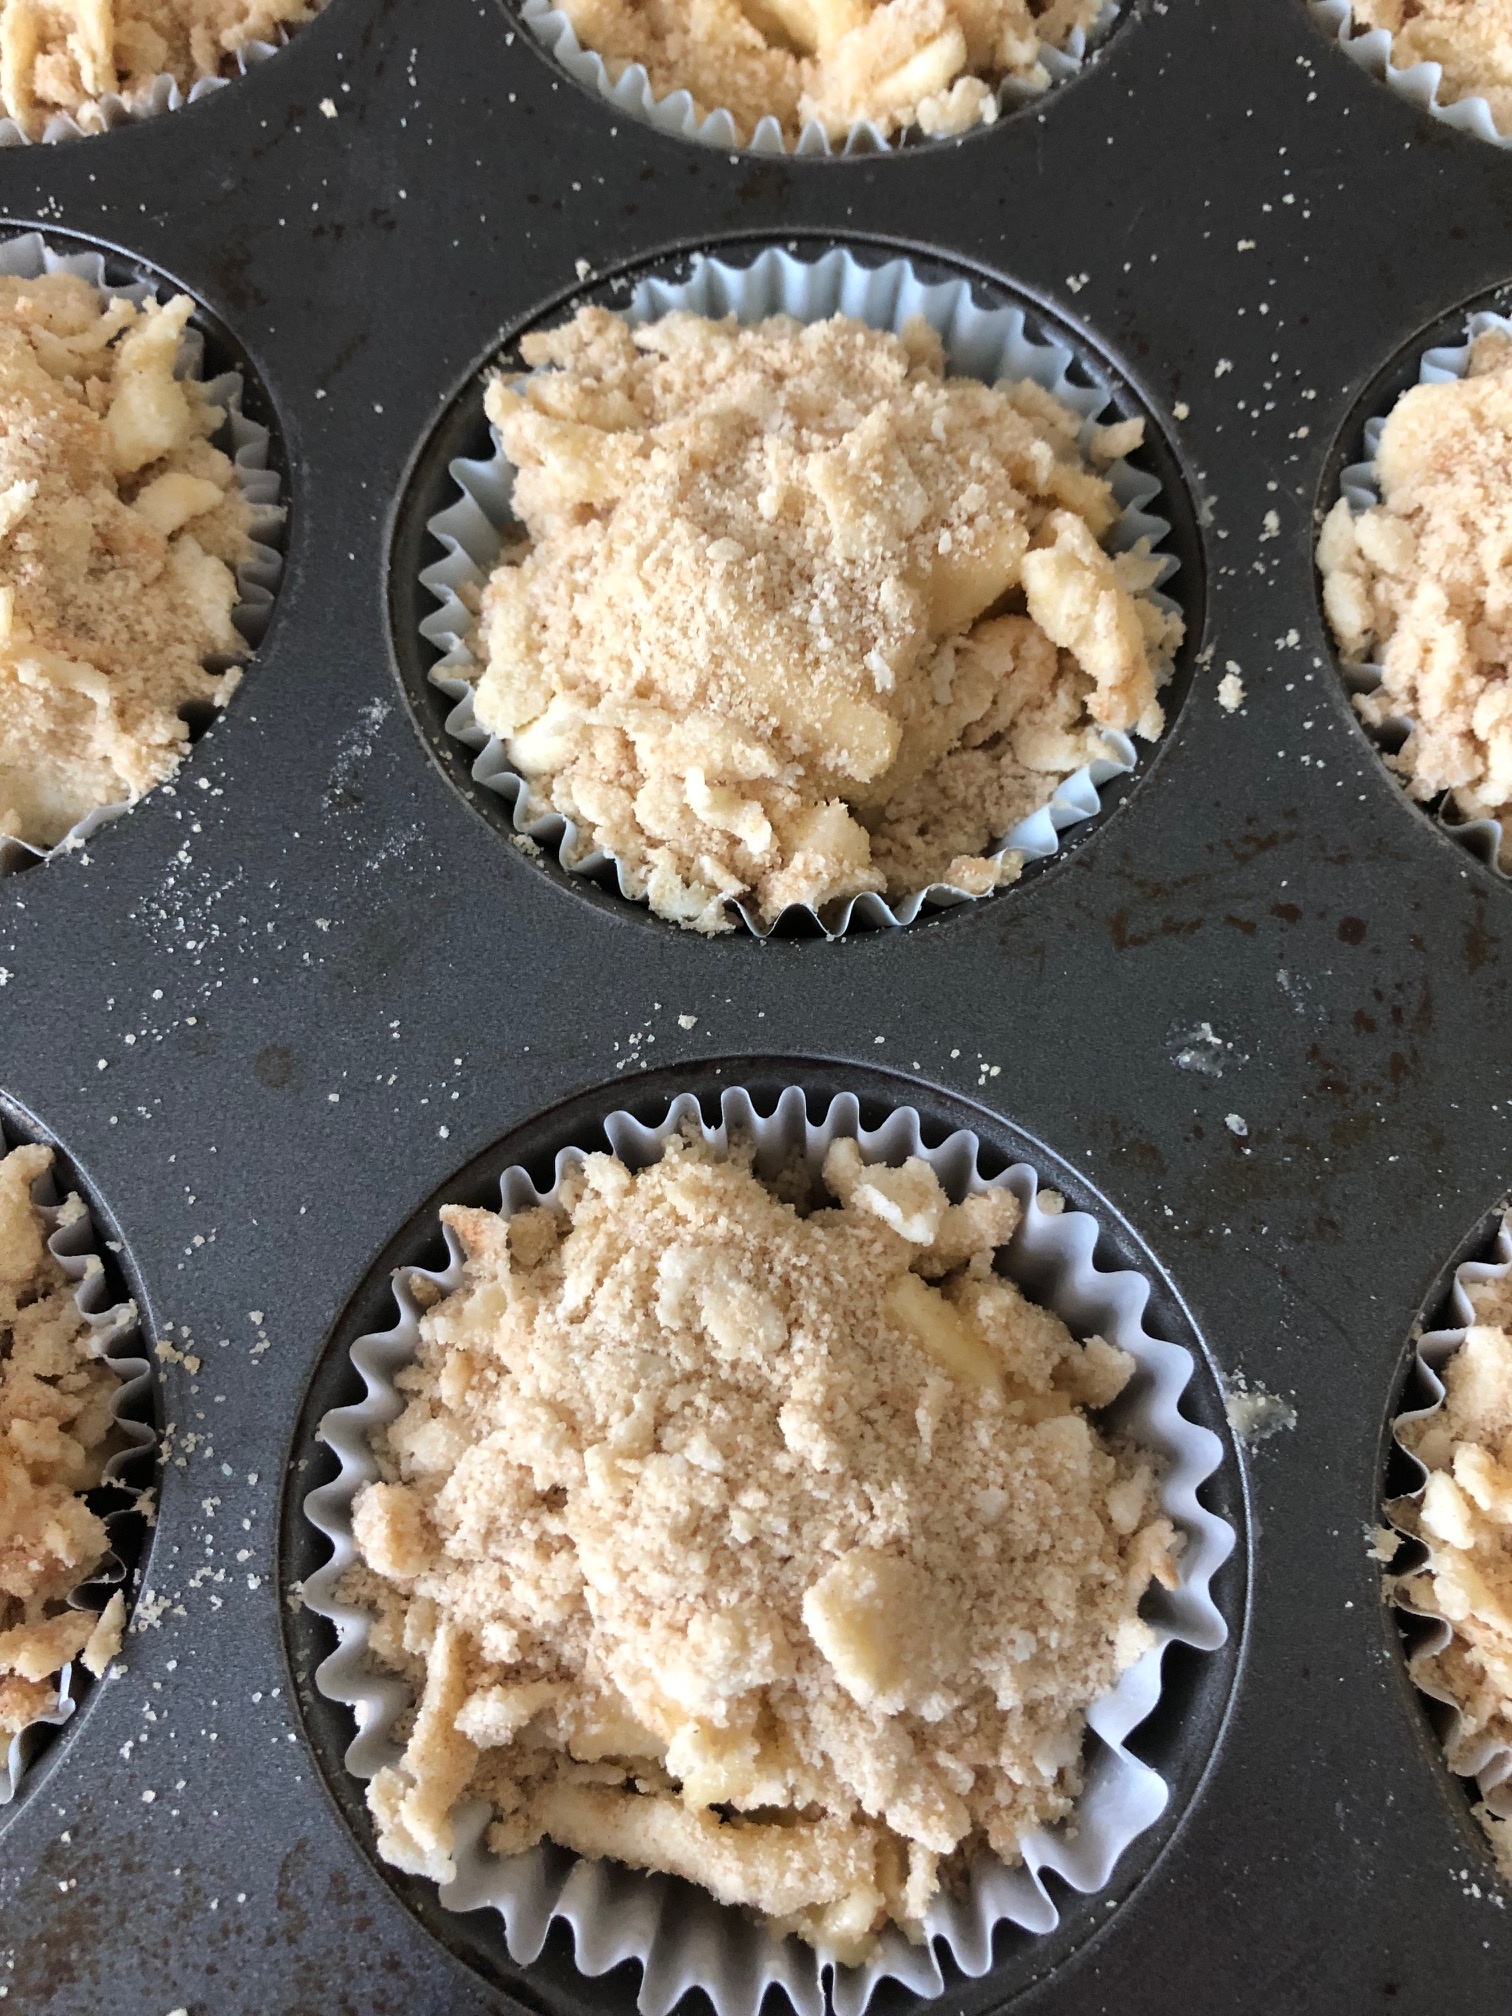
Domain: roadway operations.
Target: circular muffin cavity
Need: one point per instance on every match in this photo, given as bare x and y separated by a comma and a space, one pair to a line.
1413, 580
797, 593
1447, 1545
140, 524
1449, 58
819, 77
77, 1434
777, 1508
69, 72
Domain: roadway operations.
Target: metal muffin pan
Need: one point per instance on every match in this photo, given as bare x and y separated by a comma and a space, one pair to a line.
348, 992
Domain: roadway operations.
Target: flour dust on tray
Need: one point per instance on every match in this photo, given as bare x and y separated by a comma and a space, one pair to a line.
56, 1434
121, 527
799, 616
755, 1533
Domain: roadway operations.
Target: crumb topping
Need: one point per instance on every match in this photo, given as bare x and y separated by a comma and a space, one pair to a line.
55, 1435
1418, 584
735, 1532
799, 616
64, 56
120, 529
931, 64
1470, 39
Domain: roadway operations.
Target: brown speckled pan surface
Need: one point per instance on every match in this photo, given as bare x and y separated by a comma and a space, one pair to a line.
348, 993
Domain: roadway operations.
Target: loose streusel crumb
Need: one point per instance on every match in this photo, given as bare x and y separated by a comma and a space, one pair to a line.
800, 616
1417, 584
1470, 39
933, 64
55, 1435
120, 529
1465, 1521
773, 1550
64, 56
1230, 692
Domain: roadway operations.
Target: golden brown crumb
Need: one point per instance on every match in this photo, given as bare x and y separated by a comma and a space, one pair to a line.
801, 616
774, 1550
1464, 1520
55, 1434
64, 56
1471, 39
934, 64
120, 528
1418, 583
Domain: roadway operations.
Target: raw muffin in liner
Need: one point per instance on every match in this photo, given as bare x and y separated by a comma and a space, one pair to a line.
165, 95
682, 1938
248, 445
1418, 83
1360, 485
677, 114
986, 343
74, 1243
1480, 1758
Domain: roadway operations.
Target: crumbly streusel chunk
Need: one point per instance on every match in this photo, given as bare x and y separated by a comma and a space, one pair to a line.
66, 55
934, 64
800, 616
55, 1434
120, 529
1470, 39
774, 1550
1419, 584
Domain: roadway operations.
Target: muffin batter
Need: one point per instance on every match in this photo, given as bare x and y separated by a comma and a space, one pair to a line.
800, 616
767, 1545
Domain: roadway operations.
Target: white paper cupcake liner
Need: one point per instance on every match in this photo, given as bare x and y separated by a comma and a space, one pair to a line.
162, 95
986, 343
681, 1937
74, 1243
634, 95
1488, 1762
1360, 485
257, 578
1418, 83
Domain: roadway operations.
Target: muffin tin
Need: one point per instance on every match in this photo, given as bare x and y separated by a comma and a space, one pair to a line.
1251, 1017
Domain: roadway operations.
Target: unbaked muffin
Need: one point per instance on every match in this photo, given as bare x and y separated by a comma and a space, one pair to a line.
1417, 585
800, 616
1470, 39
759, 1536
1464, 1520
931, 64
121, 528
65, 56
56, 1434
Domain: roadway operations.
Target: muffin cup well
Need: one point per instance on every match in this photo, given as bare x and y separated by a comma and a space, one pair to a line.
1487, 1762
257, 578
164, 94
986, 343
682, 1938
1359, 484
677, 114
74, 1243
1418, 83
